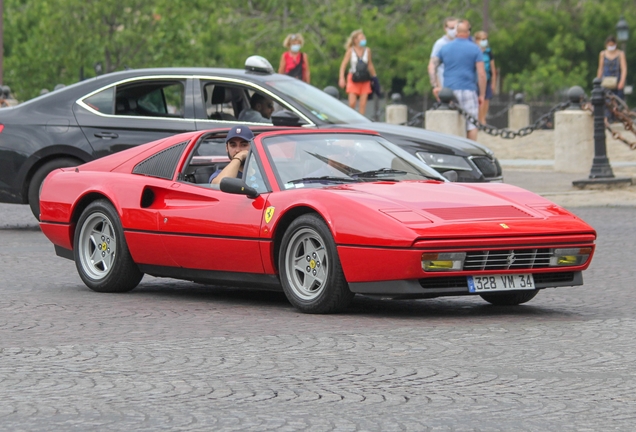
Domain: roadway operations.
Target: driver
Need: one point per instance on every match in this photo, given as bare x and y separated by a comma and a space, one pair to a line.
260, 110
237, 145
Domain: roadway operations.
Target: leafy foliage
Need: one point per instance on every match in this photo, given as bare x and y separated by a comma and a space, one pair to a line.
541, 47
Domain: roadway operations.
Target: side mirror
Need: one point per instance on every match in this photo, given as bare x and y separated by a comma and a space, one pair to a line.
237, 186
286, 118
448, 175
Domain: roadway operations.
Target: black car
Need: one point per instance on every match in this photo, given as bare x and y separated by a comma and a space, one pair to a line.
112, 112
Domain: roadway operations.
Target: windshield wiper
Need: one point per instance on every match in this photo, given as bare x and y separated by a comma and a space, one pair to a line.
323, 179
382, 172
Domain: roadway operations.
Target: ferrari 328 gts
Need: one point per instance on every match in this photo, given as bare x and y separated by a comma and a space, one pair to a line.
322, 215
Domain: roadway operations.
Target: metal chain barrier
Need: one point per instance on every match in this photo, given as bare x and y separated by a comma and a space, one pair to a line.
507, 133
621, 112
500, 112
619, 109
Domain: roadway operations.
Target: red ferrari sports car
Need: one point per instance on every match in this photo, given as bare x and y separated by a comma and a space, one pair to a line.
322, 215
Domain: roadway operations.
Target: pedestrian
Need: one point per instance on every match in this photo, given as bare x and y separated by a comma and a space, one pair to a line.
464, 73
481, 39
450, 31
361, 70
293, 62
612, 68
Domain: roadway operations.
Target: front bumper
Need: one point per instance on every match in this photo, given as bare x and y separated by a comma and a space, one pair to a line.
451, 286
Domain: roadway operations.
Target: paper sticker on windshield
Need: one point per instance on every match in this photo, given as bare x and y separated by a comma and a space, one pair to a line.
269, 213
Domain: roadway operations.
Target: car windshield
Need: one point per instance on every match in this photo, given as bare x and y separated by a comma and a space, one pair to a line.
327, 108
317, 160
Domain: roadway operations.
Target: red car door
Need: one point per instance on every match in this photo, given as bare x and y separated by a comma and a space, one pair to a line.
207, 229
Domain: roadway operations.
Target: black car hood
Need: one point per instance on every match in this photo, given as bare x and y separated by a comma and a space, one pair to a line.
422, 139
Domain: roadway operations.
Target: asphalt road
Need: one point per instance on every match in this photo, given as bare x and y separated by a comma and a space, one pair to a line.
173, 355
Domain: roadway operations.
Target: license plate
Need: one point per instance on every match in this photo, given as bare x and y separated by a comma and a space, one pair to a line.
502, 282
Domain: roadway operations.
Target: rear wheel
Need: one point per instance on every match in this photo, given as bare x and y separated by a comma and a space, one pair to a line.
35, 186
101, 254
310, 269
511, 298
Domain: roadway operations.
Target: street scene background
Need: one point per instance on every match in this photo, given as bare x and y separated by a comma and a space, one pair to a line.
175, 355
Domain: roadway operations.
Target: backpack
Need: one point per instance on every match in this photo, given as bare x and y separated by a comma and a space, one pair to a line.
362, 73
297, 71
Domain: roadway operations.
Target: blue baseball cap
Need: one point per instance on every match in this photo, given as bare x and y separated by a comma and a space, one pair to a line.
241, 132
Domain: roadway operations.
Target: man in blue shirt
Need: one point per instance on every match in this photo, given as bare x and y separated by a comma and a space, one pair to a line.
237, 144
464, 73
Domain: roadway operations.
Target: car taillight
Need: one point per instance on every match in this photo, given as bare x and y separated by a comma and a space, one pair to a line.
1, 127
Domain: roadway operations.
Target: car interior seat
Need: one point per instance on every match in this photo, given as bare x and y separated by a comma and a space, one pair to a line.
124, 107
220, 96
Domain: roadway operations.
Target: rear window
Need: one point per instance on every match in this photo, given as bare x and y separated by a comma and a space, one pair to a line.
104, 101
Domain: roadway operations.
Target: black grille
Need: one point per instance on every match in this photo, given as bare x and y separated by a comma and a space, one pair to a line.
553, 277
488, 167
444, 282
507, 259
162, 164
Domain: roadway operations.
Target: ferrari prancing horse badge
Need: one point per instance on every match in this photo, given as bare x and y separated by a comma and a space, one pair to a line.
269, 212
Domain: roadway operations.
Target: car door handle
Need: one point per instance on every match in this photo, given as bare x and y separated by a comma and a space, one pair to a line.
106, 135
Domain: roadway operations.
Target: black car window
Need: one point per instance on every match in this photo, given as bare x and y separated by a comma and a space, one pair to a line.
162, 98
222, 101
229, 102
102, 101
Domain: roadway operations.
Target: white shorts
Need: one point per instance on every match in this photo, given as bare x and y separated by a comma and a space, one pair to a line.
468, 101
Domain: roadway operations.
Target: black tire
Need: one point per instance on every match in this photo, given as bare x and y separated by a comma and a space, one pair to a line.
316, 283
113, 271
511, 298
35, 185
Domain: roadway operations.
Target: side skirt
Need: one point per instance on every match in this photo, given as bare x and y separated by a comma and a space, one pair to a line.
210, 277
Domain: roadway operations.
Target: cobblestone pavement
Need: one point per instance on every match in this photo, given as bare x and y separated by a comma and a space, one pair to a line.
174, 355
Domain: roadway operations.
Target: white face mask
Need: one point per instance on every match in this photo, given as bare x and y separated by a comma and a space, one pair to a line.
611, 47
295, 47
451, 33
483, 43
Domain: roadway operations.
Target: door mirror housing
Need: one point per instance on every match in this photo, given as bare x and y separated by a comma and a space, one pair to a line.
237, 186
450, 175
286, 118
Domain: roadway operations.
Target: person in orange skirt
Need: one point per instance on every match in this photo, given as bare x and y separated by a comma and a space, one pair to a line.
293, 62
361, 70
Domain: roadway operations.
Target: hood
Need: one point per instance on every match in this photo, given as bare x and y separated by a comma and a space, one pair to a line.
425, 139
457, 210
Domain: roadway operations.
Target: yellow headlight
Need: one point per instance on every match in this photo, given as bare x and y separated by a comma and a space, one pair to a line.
443, 261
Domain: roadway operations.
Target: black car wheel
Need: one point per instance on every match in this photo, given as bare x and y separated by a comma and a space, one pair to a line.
310, 269
38, 178
101, 254
511, 298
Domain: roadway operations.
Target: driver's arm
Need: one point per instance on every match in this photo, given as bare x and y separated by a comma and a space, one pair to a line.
232, 169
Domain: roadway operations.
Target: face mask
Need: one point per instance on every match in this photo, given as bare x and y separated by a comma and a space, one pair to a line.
363, 43
451, 33
483, 43
611, 47
295, 47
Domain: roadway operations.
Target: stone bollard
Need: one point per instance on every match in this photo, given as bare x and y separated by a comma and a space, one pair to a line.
396, 112
519, 114
444, 119
573, 136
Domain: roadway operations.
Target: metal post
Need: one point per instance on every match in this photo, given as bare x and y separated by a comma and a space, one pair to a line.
600, 165
601, 173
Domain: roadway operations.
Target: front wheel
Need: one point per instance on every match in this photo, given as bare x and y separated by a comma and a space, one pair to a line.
511, 298
101, 254
310, 269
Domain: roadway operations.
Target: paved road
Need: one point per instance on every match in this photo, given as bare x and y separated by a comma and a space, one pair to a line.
180, 356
